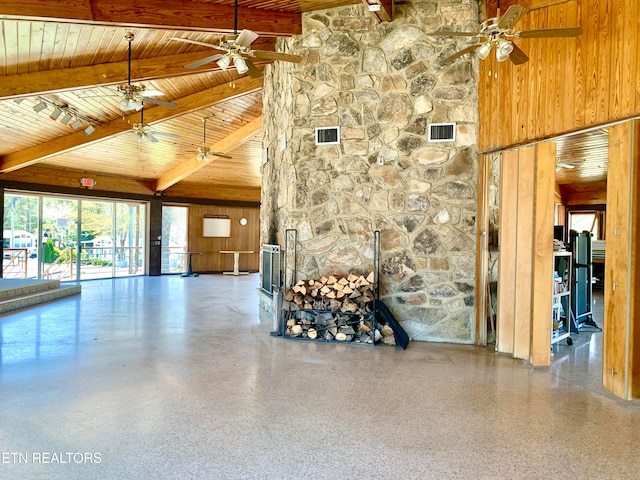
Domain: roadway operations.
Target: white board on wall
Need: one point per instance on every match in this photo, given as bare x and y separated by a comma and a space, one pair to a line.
216, 226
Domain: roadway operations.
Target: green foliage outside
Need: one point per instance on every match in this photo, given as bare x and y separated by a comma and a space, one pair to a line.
51, 253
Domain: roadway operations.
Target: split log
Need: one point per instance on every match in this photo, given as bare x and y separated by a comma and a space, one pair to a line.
341, 337
343, 281
364, 327
312, 333
386, 331
296, 329
370, 277
331, 280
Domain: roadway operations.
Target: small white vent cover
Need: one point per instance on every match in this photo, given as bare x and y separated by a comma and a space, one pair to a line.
327, 135
442, 132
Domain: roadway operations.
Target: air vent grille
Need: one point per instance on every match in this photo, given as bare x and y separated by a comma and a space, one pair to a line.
442, 132
327, 135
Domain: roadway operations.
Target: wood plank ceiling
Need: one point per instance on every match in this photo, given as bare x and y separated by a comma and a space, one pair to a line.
74, 54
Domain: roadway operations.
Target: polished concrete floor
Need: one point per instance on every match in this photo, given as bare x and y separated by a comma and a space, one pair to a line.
178, 378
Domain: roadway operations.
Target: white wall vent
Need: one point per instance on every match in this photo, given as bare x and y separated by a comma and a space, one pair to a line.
327, 135
442, 132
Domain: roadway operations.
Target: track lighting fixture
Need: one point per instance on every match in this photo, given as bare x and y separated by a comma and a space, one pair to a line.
66, 118
56, 113
64, 114
38, 107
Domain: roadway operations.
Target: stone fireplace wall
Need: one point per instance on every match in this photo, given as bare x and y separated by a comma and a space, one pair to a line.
381, 83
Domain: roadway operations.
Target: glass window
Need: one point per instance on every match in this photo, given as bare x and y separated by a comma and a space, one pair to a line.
174, 238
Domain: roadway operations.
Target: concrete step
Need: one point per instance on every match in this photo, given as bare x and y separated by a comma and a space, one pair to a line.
17, 294
17, 287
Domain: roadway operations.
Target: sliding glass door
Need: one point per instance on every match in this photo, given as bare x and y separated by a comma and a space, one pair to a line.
55, 237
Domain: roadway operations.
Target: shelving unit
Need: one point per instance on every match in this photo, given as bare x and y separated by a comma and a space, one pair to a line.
561, 299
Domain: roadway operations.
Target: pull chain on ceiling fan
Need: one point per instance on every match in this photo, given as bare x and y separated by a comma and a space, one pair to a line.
237, 51
204, 152
499, 33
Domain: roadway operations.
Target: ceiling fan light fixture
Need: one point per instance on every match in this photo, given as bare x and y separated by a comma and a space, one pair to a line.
241, 64
503, 50
224, 62
484, 50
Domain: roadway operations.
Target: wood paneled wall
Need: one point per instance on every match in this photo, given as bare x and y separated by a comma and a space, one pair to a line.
621, 351
245, 237
525, 270
569, 84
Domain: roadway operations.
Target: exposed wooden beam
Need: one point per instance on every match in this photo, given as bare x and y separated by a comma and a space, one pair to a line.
53, 81
381, 9
225, 145
187, 104
67, 178
159, 14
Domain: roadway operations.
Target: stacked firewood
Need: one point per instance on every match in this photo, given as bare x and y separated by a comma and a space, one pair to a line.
332, 326
335, 309
352, 294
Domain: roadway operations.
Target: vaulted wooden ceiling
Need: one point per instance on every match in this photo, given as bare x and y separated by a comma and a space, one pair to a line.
74, 54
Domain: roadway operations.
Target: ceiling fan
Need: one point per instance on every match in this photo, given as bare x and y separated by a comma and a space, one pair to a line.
204, 152
568, 164
499, 32
237, 51
144, 133
133, 95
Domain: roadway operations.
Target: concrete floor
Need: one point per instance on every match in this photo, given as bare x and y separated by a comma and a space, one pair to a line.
178, 378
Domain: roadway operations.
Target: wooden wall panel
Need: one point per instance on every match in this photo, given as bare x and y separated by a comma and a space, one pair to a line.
542, 271
616, 287
242, 238
524, 253
634, 341
569, 83
505, 319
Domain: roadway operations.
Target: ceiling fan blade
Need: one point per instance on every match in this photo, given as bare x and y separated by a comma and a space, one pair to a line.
166, 134
157, 101
151, 93
453, 34
196, 42
253, 70
550, 32
267, 55
511, 16
459, 54
565, 165
517, 56
204, 61
246, 37
220, 154
151, 138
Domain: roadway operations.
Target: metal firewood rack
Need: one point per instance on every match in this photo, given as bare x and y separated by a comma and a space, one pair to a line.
290, 277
